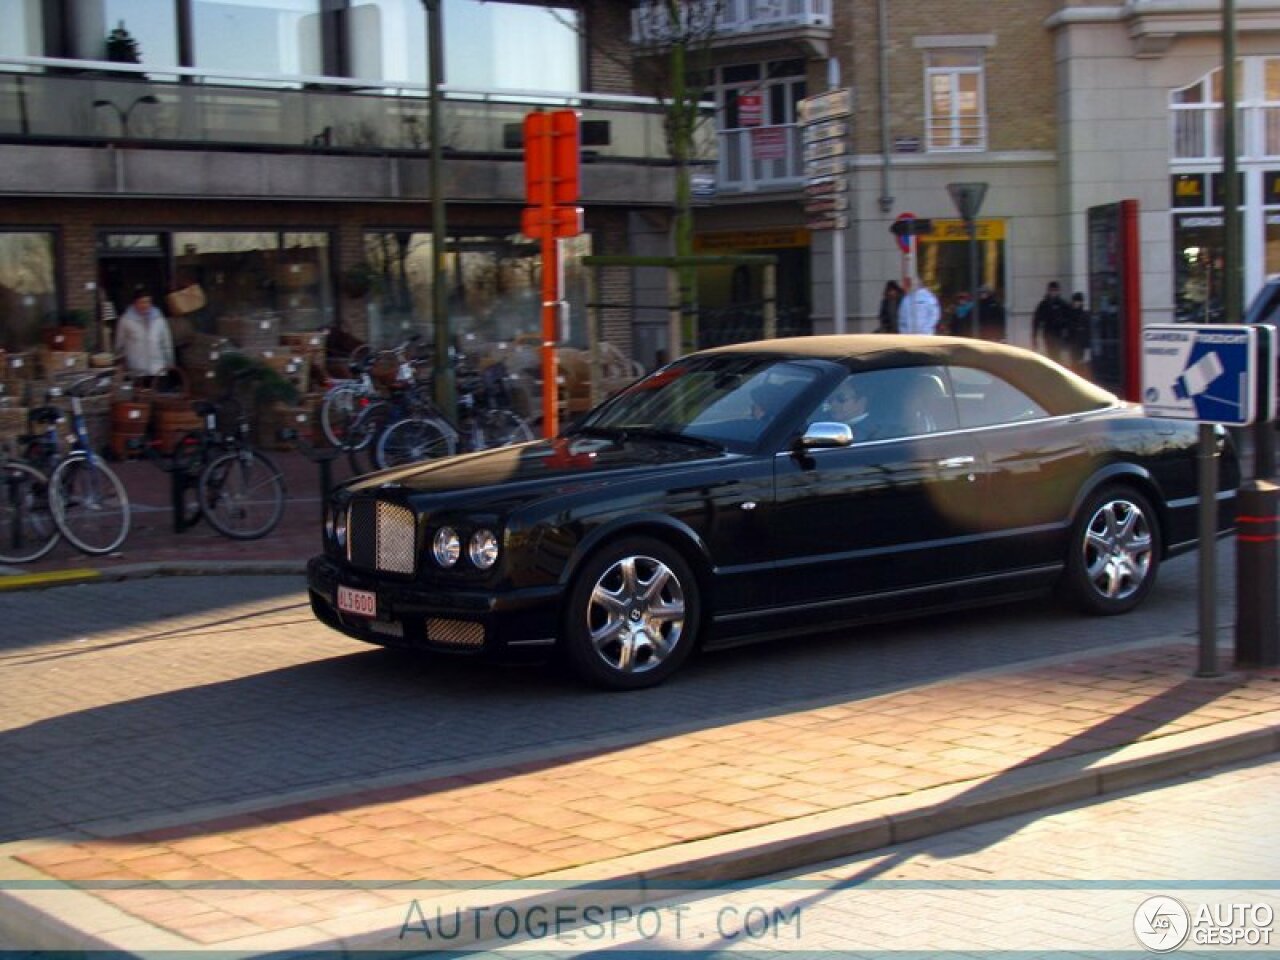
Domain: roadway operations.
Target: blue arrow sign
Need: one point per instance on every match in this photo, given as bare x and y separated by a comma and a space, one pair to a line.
1207, 374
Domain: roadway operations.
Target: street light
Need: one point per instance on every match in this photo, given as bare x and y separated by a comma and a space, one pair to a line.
126, 113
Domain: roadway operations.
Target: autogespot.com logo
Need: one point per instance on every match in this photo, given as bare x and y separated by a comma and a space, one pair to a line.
1161, 924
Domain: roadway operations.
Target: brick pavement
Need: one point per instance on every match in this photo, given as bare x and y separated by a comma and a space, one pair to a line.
737, 800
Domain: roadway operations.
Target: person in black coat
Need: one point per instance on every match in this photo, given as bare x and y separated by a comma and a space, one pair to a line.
989, 320
889, 301
1051, 325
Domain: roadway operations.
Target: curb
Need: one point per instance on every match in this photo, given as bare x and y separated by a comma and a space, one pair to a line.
727, 859
141, 571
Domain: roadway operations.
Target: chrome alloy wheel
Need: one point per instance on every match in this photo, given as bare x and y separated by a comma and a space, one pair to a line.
636, 614
1118, 548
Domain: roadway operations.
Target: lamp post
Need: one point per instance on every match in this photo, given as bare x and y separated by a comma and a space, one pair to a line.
446, 396
124, 114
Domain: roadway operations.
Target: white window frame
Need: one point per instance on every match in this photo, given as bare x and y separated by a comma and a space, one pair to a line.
956, 132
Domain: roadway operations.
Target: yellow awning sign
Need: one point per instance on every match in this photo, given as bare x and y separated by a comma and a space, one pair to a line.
946, 231
739, 241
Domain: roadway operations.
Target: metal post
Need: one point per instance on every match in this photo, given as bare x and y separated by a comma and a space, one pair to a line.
1206, 461
446, 396
971, 228
770, 301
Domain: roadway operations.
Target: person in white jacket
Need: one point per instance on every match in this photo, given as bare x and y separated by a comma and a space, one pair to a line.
143, 338
919, 310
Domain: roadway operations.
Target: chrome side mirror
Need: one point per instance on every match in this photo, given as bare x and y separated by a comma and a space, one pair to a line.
824, 434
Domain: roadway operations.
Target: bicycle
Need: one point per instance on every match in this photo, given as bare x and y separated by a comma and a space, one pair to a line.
27, 529
88, 502
344, 399
240, 491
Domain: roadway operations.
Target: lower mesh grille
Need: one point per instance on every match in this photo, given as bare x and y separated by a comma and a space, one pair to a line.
455, 633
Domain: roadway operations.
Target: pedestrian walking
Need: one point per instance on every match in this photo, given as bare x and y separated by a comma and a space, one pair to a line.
959, 319
1050, 326
919, 311
143, 338
1080, 328
889, 302
990, 321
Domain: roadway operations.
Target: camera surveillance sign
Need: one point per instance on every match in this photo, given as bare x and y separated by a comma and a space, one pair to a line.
1206, 374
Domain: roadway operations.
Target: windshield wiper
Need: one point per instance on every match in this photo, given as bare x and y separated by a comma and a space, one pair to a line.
656, 433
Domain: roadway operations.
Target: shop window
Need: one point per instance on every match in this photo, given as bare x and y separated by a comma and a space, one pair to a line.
28, 286
943, 259
491, 45
243, 274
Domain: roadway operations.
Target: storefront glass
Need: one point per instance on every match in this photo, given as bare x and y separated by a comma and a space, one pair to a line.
242, 274
515, 46
28, 286
942, 260
1198, 258
387, 40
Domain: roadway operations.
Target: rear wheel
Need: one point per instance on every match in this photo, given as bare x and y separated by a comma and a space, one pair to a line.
242, 495
413, 440
89, 505
27, 530
632, 615
338, 411
1115, 552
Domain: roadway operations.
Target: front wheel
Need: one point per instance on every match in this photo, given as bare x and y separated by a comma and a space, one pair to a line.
413, 440
1114, 552
632, 615
242, 495
89, 505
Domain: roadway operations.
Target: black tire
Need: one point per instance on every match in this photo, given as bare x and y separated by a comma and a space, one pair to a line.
27, 529
338, 411
89, 504
632, 615
414, 440
1114, 552
242, 495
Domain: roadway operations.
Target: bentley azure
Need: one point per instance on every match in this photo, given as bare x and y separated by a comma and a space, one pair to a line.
764, 489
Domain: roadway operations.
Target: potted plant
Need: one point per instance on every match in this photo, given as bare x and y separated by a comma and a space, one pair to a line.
65, 330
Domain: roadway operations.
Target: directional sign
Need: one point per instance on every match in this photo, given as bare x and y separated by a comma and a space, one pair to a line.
826, 185
828, 221
824, 106
825, 130
1207, 374
826, 166
825, 148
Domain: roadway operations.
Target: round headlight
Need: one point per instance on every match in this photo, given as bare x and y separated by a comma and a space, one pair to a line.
483, 549
446, 547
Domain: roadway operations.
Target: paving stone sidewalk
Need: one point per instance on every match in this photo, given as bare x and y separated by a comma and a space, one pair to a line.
716, 804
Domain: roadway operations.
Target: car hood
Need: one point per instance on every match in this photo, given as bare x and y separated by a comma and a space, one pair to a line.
541, 468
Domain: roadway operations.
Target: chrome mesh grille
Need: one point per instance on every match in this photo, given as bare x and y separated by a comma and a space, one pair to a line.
456, 633
381, 535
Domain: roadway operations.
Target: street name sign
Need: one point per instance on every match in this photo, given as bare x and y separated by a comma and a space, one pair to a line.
824, 106
1202, 373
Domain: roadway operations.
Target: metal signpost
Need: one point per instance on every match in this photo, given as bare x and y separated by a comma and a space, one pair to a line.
824, 129
968, 198
1210, 374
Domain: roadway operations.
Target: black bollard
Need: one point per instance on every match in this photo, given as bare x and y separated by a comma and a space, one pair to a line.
1257, 539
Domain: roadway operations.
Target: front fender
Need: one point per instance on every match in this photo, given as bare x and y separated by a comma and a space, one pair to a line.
663, 526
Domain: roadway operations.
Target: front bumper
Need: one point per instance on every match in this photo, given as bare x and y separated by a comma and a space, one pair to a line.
410, 614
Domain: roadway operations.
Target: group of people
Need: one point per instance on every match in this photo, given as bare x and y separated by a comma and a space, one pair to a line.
1060, 329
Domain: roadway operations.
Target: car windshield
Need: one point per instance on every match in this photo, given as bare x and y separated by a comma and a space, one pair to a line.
723, 399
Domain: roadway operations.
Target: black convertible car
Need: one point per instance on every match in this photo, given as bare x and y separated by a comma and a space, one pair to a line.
765, 488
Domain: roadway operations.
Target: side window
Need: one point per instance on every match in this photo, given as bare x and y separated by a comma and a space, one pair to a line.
887, 404
983, 399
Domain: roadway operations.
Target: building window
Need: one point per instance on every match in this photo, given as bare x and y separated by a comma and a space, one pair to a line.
759, 136
28, 286
490, 45
23, 33
955, 100
387, 40
145, 29
266, 37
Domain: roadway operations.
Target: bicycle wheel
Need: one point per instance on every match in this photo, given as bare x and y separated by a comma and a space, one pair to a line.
242, 494
89, 504
501, 428
338, 411
416, 439
27, 530
368, 426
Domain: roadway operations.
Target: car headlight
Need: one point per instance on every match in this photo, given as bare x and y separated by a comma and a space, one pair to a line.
446, 547
483, 548
335, 523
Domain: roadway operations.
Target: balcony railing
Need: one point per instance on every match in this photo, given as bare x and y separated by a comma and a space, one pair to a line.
45, 99
760, 158
651, 24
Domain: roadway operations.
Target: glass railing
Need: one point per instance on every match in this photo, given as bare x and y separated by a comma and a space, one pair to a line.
64, 100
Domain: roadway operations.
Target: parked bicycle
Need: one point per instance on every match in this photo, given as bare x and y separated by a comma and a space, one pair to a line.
239, 490
87, 501
345, 398
27, 529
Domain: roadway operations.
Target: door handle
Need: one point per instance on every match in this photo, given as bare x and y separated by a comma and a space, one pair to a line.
951, 463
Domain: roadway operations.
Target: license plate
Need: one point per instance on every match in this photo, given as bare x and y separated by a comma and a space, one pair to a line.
363, 603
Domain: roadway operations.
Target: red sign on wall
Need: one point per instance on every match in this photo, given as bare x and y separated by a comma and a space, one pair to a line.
769, 143
750, 109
